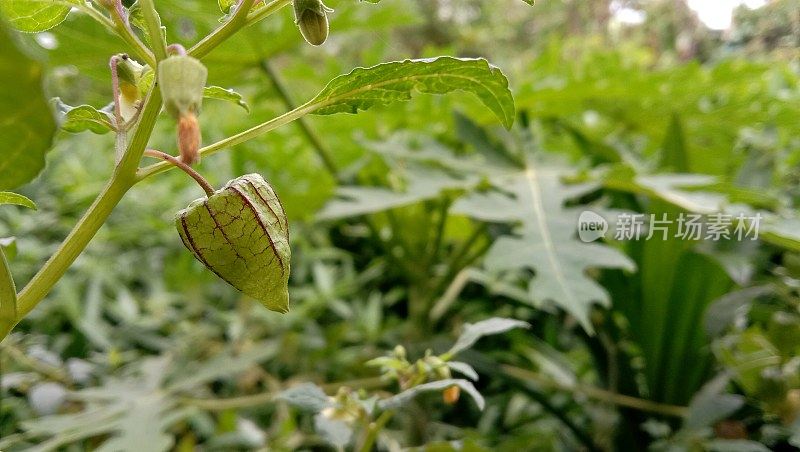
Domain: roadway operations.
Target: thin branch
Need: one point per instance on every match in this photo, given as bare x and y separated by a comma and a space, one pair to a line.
153, 24
183, 166
321, 149
597, 393
226, 30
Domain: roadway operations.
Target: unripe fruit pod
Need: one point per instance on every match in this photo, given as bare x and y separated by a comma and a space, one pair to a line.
182, 79
311, 16
451, 395
241, 234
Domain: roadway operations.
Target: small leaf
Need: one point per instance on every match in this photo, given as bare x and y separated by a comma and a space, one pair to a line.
735, 445
83, 117
336, 432
217, 92
226, 5
488, 327
32, 16
385, 83
307, 397
27, 126
712, 404
409, 394
7, 197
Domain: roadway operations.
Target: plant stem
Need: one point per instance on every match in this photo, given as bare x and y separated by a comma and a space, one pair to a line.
8, 297
597, 393
322, 151
153, 24
122, 180
374, 429
118, 26
183, 166
267, 397
225, 31
233, 140
266, 11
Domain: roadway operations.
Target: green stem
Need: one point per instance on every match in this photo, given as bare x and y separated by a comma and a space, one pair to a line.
153, 24
239, 138
374, 429
8, 297
316, 143
121, 181
225, 31
118, 26
271, 8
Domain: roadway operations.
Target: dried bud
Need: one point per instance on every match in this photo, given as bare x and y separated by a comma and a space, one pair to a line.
451, 394
241, 234
311, 16
182, 79
189, 138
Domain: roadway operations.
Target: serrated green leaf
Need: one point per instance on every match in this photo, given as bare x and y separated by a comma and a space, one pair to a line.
28, 126
7, 197
83, 117
545, 239
307, 397
32, 16
217, 92
406, 396
473, 332
385, 83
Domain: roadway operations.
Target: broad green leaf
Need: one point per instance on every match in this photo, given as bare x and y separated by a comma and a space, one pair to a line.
307, 397
7, 197
545, 239
32, 16
27, 126
406, 396
217, 92
82, 118
385, 83
473, 332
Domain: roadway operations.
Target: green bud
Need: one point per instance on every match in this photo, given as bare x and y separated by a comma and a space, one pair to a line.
311, 16
182, 79
241, 234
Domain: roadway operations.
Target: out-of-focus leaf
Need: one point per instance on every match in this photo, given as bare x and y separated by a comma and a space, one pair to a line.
27, 127
724, 310
83, 117
229, 95
712, 404
474, 331
674, 154
545, 239
8, 297
390, 82
464, 369
421, 184
7, 197
406, 396
336, 432
32, 16
307, 397
225, 363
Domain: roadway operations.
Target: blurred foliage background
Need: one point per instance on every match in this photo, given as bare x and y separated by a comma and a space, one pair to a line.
397, 239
